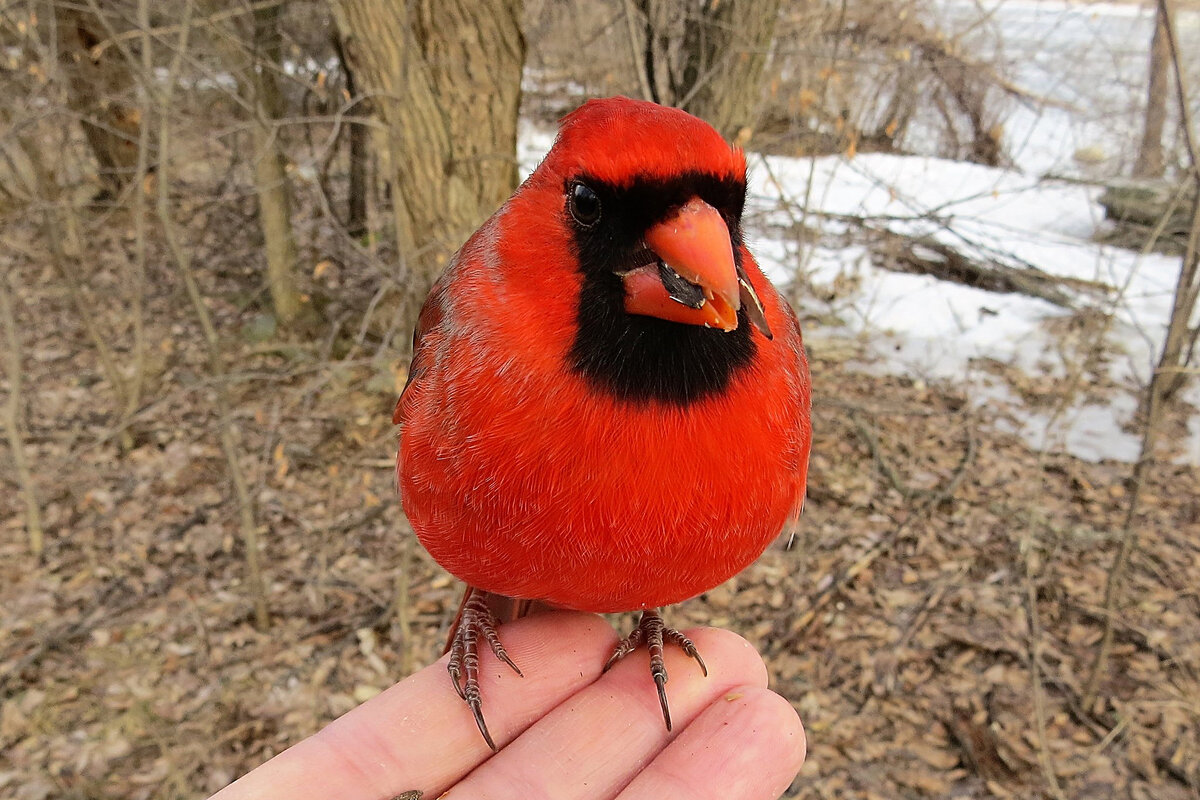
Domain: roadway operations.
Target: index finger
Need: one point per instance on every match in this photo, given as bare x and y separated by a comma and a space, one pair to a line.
420, 735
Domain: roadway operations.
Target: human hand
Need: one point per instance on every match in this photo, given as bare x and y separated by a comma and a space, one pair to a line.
564, 730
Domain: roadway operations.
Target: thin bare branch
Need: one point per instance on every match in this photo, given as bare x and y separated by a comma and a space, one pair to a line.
247, 523
13, 425
178, 28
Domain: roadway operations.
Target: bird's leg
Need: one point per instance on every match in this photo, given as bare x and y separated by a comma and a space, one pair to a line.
475, 619
655, 634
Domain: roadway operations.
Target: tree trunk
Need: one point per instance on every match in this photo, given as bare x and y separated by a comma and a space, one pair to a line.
725, 55
708, 60
258, 87
356, 193
98, 90
1150, 153
446, 77
270, 172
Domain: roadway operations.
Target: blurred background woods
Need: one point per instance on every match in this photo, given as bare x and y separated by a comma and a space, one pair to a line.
218, 220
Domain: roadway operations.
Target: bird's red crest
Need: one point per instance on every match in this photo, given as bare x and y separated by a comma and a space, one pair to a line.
615, 138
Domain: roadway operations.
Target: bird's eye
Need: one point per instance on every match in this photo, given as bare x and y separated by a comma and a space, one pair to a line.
584, 205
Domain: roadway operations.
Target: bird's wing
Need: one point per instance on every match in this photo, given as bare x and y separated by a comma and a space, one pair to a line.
423, 344
794, 335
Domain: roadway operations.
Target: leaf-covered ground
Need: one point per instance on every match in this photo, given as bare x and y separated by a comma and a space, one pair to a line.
934, 619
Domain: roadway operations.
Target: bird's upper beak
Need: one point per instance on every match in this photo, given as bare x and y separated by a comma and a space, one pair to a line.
694, 279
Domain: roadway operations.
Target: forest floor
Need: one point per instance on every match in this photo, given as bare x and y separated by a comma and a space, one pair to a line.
933, 620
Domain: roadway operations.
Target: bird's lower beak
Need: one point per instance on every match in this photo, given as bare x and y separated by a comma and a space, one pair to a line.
694, 279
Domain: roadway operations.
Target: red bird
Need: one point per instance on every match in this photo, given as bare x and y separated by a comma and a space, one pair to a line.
608, 403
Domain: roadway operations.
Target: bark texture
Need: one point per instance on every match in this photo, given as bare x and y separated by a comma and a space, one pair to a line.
99, 89
257, 59
446, 77
356, 195
709, 58
725, 56
270, 169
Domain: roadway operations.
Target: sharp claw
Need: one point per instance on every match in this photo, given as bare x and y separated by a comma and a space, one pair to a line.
477, 710
686, 645
620, 652
660, 681
503, 656
476, 621
655, 634
625, 647
455, 677
493, 640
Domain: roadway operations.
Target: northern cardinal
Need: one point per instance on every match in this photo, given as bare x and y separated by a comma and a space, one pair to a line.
608, 403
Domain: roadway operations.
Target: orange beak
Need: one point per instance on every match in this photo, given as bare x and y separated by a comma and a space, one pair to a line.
695, 279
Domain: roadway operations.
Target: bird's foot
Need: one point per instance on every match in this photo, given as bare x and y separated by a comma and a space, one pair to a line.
476, 620
655, 634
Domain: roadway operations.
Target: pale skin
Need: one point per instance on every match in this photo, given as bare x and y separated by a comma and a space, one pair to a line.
565, 730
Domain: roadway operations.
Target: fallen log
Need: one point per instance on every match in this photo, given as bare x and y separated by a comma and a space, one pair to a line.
926, 255
1148, 202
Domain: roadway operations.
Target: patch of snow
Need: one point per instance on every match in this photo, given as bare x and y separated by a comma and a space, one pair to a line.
921, 326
